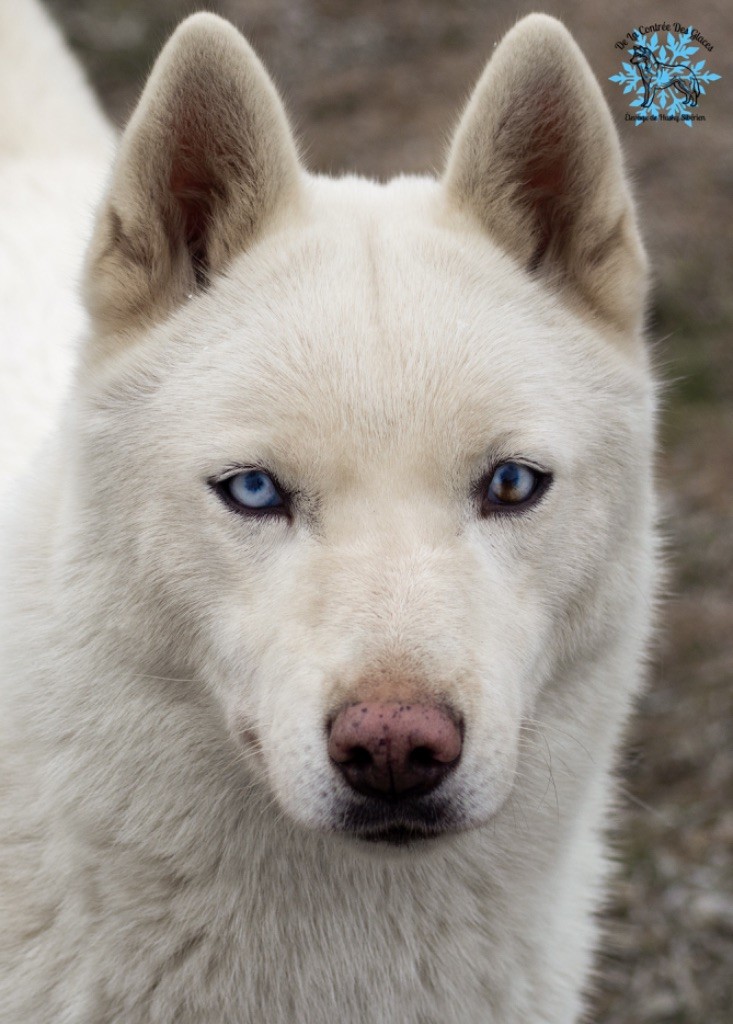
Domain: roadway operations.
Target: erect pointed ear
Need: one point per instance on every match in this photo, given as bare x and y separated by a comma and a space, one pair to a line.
536, 160
206, 162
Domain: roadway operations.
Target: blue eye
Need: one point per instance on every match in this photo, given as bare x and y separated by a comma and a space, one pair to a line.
515, 484
252, 489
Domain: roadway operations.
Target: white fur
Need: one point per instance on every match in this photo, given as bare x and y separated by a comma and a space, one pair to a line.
54, 150
170, 844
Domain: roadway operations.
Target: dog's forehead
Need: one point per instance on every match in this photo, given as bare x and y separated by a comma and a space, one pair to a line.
375, 322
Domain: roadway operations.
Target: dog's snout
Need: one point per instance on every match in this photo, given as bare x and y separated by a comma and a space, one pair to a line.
393, 750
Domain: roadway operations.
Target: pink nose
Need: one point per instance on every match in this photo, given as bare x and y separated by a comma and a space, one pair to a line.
393, 750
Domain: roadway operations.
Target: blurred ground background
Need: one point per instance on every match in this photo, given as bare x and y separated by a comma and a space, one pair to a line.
375, 86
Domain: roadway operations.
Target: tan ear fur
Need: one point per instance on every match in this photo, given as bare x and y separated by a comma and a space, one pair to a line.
207, 160
536, 159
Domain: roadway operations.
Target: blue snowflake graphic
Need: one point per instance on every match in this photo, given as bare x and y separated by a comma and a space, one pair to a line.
665, 84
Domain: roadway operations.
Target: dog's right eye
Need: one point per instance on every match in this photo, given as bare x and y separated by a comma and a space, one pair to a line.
513, 487
250, 491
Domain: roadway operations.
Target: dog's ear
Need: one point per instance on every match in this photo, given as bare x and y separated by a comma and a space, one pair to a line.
536, 160
206, 162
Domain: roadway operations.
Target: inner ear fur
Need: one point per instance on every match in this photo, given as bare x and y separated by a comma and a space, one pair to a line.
536, 159
207, 161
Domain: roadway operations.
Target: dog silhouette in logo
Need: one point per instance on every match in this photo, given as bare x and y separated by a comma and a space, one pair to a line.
656, 76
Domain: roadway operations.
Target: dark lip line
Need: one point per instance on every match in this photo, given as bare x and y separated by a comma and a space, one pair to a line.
407, 825
395, 836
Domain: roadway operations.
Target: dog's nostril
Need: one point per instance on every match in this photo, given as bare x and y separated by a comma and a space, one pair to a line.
360, 757
423, 756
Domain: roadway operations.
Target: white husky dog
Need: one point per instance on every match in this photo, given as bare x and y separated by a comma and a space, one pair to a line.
326, 602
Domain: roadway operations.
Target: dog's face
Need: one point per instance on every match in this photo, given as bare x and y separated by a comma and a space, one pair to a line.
640, 55
379, 444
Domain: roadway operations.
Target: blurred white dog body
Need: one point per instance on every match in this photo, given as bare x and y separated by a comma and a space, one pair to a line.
442, 390
55, 148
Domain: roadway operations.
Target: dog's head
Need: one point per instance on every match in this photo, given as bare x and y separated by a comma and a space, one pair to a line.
371, 459
641, 55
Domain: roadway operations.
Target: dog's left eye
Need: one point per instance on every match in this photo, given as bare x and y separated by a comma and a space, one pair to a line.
513, 485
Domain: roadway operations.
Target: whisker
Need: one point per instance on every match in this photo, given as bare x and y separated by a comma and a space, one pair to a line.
643, 805
165, 679
552, 727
